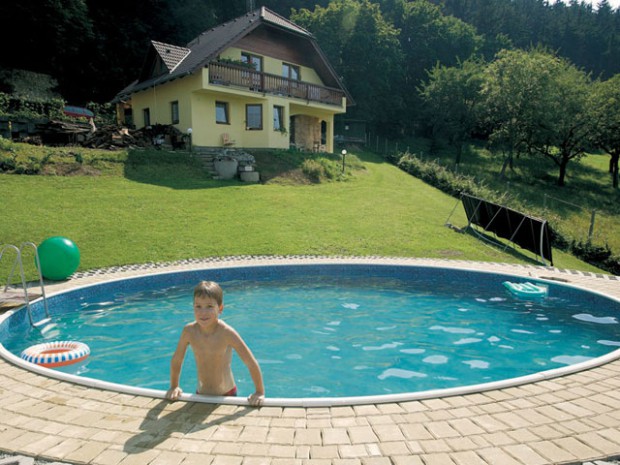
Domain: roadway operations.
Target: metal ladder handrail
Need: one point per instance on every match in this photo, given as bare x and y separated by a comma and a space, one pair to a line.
37, 262
19, 262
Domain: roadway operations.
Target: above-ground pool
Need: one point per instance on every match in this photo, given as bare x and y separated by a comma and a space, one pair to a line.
331, 334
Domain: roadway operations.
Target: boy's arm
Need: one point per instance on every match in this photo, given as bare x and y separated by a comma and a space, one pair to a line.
246, 355
175, 366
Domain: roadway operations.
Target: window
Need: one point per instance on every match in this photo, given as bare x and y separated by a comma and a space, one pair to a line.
253, 117
146, 115
253, 60
291, 72
128, 116
221, 113
278, 118
174, 112
253, 79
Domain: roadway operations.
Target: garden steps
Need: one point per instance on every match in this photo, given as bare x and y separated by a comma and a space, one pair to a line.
208, 155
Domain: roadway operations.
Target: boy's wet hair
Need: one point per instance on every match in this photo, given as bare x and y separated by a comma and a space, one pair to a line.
209, 289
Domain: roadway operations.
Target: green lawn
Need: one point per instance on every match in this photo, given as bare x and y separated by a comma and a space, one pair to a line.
139, 212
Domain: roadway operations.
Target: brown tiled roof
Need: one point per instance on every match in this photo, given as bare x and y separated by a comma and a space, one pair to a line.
171, 55
209, 44
275, 18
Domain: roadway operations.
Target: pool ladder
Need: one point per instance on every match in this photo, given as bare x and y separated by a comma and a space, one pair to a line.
18, 263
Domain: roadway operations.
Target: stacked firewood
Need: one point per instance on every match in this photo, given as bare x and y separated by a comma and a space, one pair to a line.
111, 136
64, 132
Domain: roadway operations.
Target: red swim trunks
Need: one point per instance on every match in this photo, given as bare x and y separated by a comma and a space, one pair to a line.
231, 393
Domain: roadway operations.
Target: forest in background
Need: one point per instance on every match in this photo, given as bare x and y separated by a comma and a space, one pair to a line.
383, 49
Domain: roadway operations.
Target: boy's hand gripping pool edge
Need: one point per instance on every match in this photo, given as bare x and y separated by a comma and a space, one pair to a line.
256, 399
174, 393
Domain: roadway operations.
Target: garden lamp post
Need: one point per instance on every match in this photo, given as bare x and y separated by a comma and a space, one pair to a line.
344, 154
189, 135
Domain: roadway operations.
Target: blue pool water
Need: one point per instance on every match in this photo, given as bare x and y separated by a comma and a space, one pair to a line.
333, 330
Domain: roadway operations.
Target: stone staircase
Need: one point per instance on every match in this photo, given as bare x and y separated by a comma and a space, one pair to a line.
207, 156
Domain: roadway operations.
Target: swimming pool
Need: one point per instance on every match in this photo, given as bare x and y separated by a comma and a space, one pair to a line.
582, 325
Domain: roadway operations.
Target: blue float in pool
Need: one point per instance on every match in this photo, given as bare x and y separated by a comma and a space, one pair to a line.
525, 290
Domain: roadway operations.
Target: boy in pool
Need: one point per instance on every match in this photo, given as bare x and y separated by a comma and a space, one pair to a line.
212, 341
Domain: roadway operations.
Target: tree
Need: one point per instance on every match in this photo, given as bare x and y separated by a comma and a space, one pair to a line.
54, 37
537, 101
587, 36
604, 110
514, 93
365, 50
428, 37
125, 27
562, 132
451, 97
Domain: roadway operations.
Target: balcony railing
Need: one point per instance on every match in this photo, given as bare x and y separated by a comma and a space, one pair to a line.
238, 76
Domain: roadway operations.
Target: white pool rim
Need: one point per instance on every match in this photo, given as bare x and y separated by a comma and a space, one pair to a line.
317, 401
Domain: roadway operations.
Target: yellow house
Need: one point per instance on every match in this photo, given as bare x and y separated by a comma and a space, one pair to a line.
258, 81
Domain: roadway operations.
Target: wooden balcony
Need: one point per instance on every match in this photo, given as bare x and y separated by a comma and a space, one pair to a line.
238, 76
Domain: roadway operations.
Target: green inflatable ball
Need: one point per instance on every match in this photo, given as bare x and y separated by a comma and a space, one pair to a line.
59, 258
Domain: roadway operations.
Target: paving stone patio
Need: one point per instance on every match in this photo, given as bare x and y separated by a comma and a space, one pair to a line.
570, 419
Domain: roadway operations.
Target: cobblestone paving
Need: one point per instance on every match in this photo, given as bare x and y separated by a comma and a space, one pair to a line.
569, 420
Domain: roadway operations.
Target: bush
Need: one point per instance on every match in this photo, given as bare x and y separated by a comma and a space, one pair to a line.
51, 108
30, 166
445, 180
600, 256
31, 108
590, 252
313, 170
8, 162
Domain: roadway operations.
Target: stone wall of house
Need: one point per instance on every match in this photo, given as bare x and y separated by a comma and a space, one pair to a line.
307, 132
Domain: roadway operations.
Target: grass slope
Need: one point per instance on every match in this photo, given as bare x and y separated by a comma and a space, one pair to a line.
154, 212
531, 186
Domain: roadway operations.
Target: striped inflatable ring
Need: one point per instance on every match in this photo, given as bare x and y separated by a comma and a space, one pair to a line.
56, 354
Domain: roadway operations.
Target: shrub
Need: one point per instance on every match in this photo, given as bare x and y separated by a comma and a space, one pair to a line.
31, 108
330, 170
445, 180
312, 169
6, 145
590, 252
31, 165
8, 162
600, 256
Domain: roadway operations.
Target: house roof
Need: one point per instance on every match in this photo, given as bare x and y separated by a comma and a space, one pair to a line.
171, 55
182, 61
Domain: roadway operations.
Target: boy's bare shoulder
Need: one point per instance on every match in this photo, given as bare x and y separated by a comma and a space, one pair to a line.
227, 329
190, 328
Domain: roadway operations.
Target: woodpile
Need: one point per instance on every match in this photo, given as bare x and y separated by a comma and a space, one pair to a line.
63, 132
110, 137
